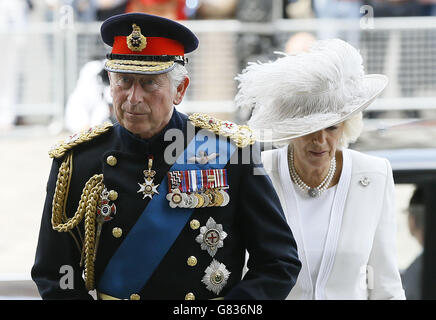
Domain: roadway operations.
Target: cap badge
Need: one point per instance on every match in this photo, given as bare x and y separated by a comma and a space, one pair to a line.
136, 41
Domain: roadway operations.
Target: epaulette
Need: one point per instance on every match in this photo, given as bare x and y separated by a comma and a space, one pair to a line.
242, 135
60, 148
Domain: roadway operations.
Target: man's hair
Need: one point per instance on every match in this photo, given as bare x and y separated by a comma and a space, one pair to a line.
177, 75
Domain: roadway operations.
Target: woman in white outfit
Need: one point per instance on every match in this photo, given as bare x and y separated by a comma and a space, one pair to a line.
338, 202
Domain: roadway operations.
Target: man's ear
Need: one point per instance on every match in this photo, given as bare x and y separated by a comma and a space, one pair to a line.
181, 89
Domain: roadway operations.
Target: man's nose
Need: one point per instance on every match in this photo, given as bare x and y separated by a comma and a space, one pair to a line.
136, 93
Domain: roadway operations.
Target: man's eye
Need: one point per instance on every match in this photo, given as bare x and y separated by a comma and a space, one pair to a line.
148, 82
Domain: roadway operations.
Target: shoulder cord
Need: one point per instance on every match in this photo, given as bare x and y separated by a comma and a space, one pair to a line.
87, 208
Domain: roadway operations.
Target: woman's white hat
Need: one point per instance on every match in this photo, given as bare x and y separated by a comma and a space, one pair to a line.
296, 95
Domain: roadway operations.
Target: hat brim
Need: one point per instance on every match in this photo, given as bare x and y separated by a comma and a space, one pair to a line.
374, 84
139, 67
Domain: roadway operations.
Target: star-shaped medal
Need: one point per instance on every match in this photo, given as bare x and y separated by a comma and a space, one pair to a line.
148, 188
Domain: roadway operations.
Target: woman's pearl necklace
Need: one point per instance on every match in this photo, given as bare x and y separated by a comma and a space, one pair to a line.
313, 192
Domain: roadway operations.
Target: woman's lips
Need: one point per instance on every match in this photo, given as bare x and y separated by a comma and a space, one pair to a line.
318, 153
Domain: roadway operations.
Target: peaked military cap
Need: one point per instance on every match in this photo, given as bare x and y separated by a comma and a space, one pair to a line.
145, 44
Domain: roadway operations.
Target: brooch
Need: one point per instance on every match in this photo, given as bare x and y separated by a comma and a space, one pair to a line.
364, 181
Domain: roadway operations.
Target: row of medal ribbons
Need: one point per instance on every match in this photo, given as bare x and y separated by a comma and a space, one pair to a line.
197, 188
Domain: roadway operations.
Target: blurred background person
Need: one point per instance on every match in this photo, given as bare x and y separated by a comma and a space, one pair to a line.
338, 9
298, 9
299, 42
86, 10
170, 9
428, 7
412, 276
215, 9
90, 103
395, 8
13, 19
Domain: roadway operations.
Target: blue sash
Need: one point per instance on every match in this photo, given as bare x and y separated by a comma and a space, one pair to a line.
159, 225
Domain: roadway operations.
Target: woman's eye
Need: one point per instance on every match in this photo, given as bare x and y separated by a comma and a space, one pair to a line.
332, 128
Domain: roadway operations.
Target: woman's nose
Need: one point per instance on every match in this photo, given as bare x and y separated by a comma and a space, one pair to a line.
319, 137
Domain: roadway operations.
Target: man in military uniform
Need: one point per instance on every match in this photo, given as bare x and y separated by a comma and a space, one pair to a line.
160, 205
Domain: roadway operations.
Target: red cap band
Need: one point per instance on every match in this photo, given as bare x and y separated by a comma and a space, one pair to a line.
156, 46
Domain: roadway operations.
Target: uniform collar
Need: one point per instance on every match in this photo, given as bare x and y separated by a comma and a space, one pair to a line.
155, 144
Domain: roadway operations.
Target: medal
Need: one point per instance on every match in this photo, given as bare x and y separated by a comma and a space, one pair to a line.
219, 199
211, 196
200, 200
206, 200
105, 212
148, 188
175, 197
226, 198
191, 201
216, 276
197, 188
211, 237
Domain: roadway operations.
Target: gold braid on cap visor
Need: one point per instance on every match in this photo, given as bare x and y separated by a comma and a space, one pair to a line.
136, 65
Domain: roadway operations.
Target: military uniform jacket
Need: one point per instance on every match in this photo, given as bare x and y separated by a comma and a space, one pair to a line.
253, 221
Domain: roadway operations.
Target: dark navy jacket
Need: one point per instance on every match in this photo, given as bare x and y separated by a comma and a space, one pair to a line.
253, 220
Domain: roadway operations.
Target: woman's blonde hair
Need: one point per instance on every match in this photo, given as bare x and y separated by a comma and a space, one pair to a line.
353, 127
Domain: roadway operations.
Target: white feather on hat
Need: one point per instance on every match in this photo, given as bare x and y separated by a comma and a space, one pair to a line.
299, 94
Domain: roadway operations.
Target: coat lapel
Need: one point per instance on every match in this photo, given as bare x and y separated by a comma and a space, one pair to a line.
334, 226
292, 214
293, 218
